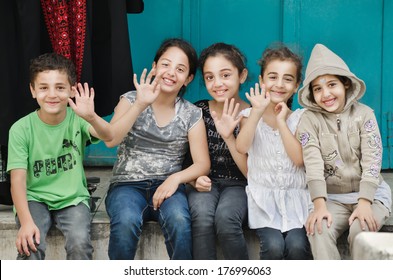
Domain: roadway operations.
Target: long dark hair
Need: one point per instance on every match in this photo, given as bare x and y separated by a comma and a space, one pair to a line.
187, 48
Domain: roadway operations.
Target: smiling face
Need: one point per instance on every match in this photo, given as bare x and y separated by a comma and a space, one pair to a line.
280, 80
329, 93
222, 78
52, 89
174, 67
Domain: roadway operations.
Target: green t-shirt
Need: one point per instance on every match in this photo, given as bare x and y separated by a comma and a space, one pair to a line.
53, 158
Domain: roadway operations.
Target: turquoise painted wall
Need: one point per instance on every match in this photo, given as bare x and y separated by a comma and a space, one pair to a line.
359, 31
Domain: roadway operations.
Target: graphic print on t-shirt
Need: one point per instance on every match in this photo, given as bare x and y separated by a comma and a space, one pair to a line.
62, 163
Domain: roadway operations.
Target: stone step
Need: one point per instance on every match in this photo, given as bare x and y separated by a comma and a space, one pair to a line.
150, 247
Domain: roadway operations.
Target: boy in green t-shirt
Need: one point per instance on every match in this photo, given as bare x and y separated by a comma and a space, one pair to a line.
45, 159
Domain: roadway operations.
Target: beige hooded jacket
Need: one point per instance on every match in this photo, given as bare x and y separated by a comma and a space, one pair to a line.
342, 152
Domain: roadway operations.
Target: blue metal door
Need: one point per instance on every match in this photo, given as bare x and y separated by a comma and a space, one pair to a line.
359, 31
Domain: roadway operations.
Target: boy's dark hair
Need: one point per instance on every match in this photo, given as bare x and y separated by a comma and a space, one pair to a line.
230, 52
52, 61
282, 53
343, 79
187, 48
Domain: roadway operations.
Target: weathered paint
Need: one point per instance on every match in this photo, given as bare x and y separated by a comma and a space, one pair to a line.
359, 31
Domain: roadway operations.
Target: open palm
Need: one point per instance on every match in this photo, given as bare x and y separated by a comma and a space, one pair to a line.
229, 119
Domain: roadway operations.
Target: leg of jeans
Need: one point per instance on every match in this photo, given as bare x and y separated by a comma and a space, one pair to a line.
272, 244
125, 205
75, 223
202, 208
42, 218
175, 221
297, 246
231, 214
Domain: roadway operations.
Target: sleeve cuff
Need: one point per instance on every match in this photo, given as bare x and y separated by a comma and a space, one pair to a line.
367, 190
317, 189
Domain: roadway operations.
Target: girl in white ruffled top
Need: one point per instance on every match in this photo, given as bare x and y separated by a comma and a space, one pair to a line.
278, 198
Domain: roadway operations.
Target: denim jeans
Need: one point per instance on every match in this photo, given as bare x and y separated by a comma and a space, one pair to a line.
222, 213
130, 205
290, 245
73, 221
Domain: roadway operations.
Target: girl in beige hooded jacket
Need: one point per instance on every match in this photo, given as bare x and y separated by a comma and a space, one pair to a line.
342, 152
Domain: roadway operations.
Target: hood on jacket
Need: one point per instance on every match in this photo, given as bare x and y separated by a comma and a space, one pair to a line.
325, 62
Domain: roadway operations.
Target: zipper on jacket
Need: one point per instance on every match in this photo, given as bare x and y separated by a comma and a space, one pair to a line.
338, 122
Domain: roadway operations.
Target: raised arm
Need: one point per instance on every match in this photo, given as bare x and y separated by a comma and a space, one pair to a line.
84, 107
291, 144
259, 100
126, 113
225, 127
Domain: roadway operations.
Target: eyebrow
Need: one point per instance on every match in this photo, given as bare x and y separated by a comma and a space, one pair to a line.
171, 61
221, 70
328, 81
275, 73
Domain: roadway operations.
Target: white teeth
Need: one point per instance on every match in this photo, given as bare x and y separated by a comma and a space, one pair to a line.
167, 81
329, 102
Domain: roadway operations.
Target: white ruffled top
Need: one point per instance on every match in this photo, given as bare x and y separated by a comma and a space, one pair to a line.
277, 193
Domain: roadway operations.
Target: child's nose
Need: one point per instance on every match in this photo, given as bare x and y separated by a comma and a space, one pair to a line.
325, 92
217, 82
279, 82
52, 92
171, 71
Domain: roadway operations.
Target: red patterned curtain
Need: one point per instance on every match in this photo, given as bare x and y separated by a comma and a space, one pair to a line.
66, 24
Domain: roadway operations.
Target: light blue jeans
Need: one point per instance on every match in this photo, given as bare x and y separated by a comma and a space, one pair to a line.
220, 213
73, 221
130, 205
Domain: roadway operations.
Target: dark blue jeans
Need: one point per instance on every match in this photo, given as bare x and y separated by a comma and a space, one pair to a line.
290, 245
73, 221
130, 205
222, 213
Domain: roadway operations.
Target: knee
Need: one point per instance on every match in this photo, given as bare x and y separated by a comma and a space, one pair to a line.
126, 223
228, 222
202, 218
272, 250
79, 246
180, 218
178, 222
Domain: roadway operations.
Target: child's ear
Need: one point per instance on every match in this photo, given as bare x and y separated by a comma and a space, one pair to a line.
243, 75
297, 87
32, 90
73, 91
260, 80
154, 68
188, 80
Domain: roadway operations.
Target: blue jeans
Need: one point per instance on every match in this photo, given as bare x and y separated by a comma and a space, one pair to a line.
277, 245
221, 212
73, 221
130, 205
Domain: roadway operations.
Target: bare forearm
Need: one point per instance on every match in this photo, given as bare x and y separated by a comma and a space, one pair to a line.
19, 198
246, 136
122, 123
291, 144
102, 128
190, 174
240, 159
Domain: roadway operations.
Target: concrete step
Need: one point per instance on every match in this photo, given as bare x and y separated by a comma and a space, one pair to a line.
151, 245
